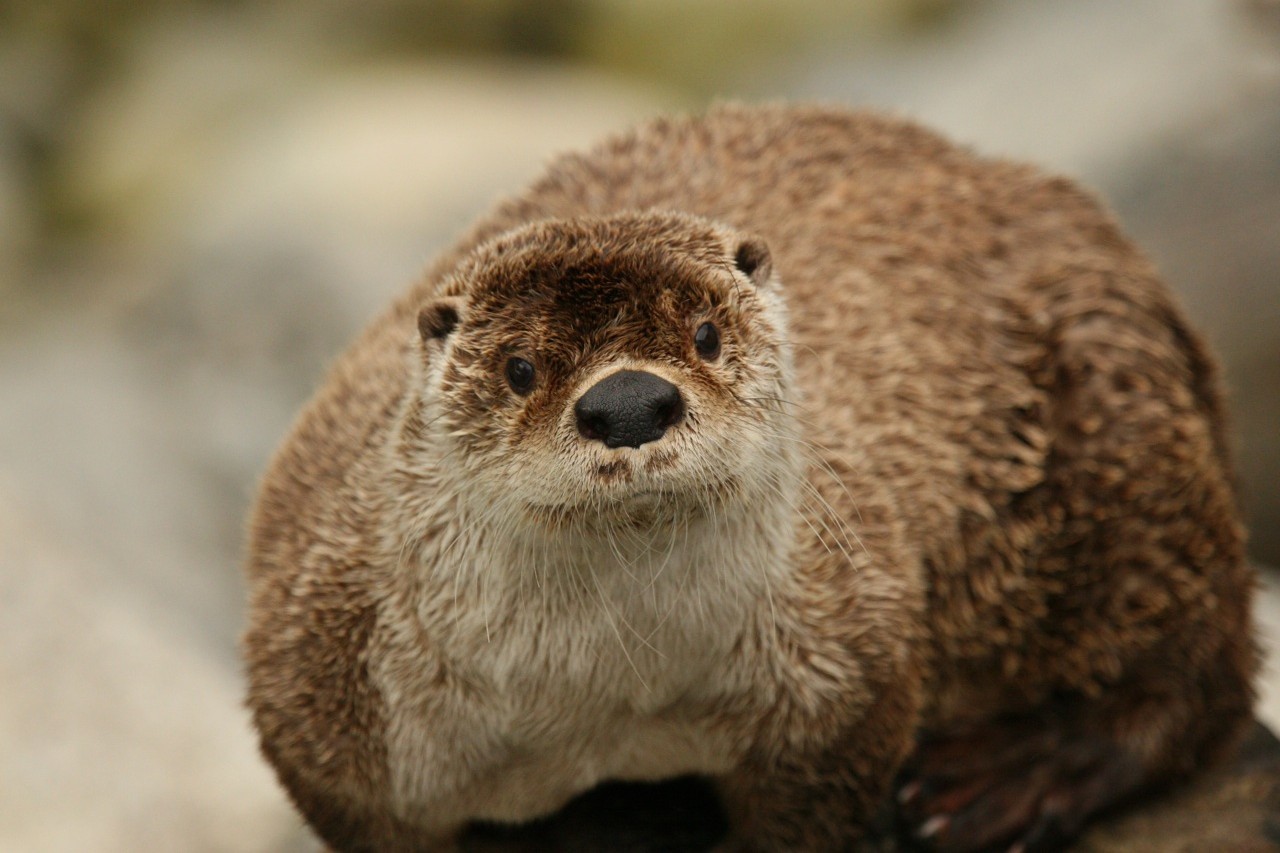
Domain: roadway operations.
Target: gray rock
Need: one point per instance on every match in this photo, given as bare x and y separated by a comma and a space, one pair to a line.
118, 733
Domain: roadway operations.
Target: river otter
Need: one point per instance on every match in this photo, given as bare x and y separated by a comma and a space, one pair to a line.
791, 447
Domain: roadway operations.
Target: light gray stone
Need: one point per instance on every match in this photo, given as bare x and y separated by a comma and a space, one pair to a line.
118, 732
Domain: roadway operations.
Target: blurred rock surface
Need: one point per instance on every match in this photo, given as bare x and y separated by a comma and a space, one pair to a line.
119, 733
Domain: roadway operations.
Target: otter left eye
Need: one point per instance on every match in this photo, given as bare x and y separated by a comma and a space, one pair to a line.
707, 341
520, 375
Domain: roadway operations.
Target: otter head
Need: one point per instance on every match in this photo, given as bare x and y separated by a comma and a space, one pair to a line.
597, 369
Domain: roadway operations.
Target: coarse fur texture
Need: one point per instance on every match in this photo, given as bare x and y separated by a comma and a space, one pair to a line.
951, 496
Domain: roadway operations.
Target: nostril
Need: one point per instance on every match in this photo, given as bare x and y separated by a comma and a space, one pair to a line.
670, 412
593, 428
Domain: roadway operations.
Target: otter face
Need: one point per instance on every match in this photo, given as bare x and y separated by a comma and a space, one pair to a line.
612, 365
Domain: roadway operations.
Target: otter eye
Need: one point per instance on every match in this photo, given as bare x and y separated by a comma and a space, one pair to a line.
707, 341
520, 375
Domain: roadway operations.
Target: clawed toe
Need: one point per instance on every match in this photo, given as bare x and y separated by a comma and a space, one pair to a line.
974, 793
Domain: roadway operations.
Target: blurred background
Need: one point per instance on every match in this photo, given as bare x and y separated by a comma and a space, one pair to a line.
201, 202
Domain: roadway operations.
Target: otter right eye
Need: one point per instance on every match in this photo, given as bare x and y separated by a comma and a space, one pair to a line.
707, 341
520, 375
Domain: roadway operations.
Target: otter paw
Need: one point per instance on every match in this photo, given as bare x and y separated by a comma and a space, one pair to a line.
1006, 788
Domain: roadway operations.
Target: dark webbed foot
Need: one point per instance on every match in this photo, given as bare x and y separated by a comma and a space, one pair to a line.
1018, 785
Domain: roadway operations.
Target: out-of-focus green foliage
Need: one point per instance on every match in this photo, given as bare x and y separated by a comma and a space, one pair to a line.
57, 56
689, 44
702, 46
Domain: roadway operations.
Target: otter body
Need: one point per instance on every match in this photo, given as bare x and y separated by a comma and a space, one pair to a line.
794, 448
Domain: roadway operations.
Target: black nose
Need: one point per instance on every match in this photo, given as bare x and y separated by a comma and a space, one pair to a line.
628, 408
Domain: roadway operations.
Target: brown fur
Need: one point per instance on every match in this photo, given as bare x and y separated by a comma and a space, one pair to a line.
1018, 494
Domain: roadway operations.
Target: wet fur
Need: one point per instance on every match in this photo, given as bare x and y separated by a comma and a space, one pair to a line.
993, 482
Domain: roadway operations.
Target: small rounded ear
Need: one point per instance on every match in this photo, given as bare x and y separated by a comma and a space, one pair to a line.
438, 319
753, 260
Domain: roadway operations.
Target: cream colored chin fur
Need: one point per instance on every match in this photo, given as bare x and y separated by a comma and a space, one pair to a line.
522, 663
